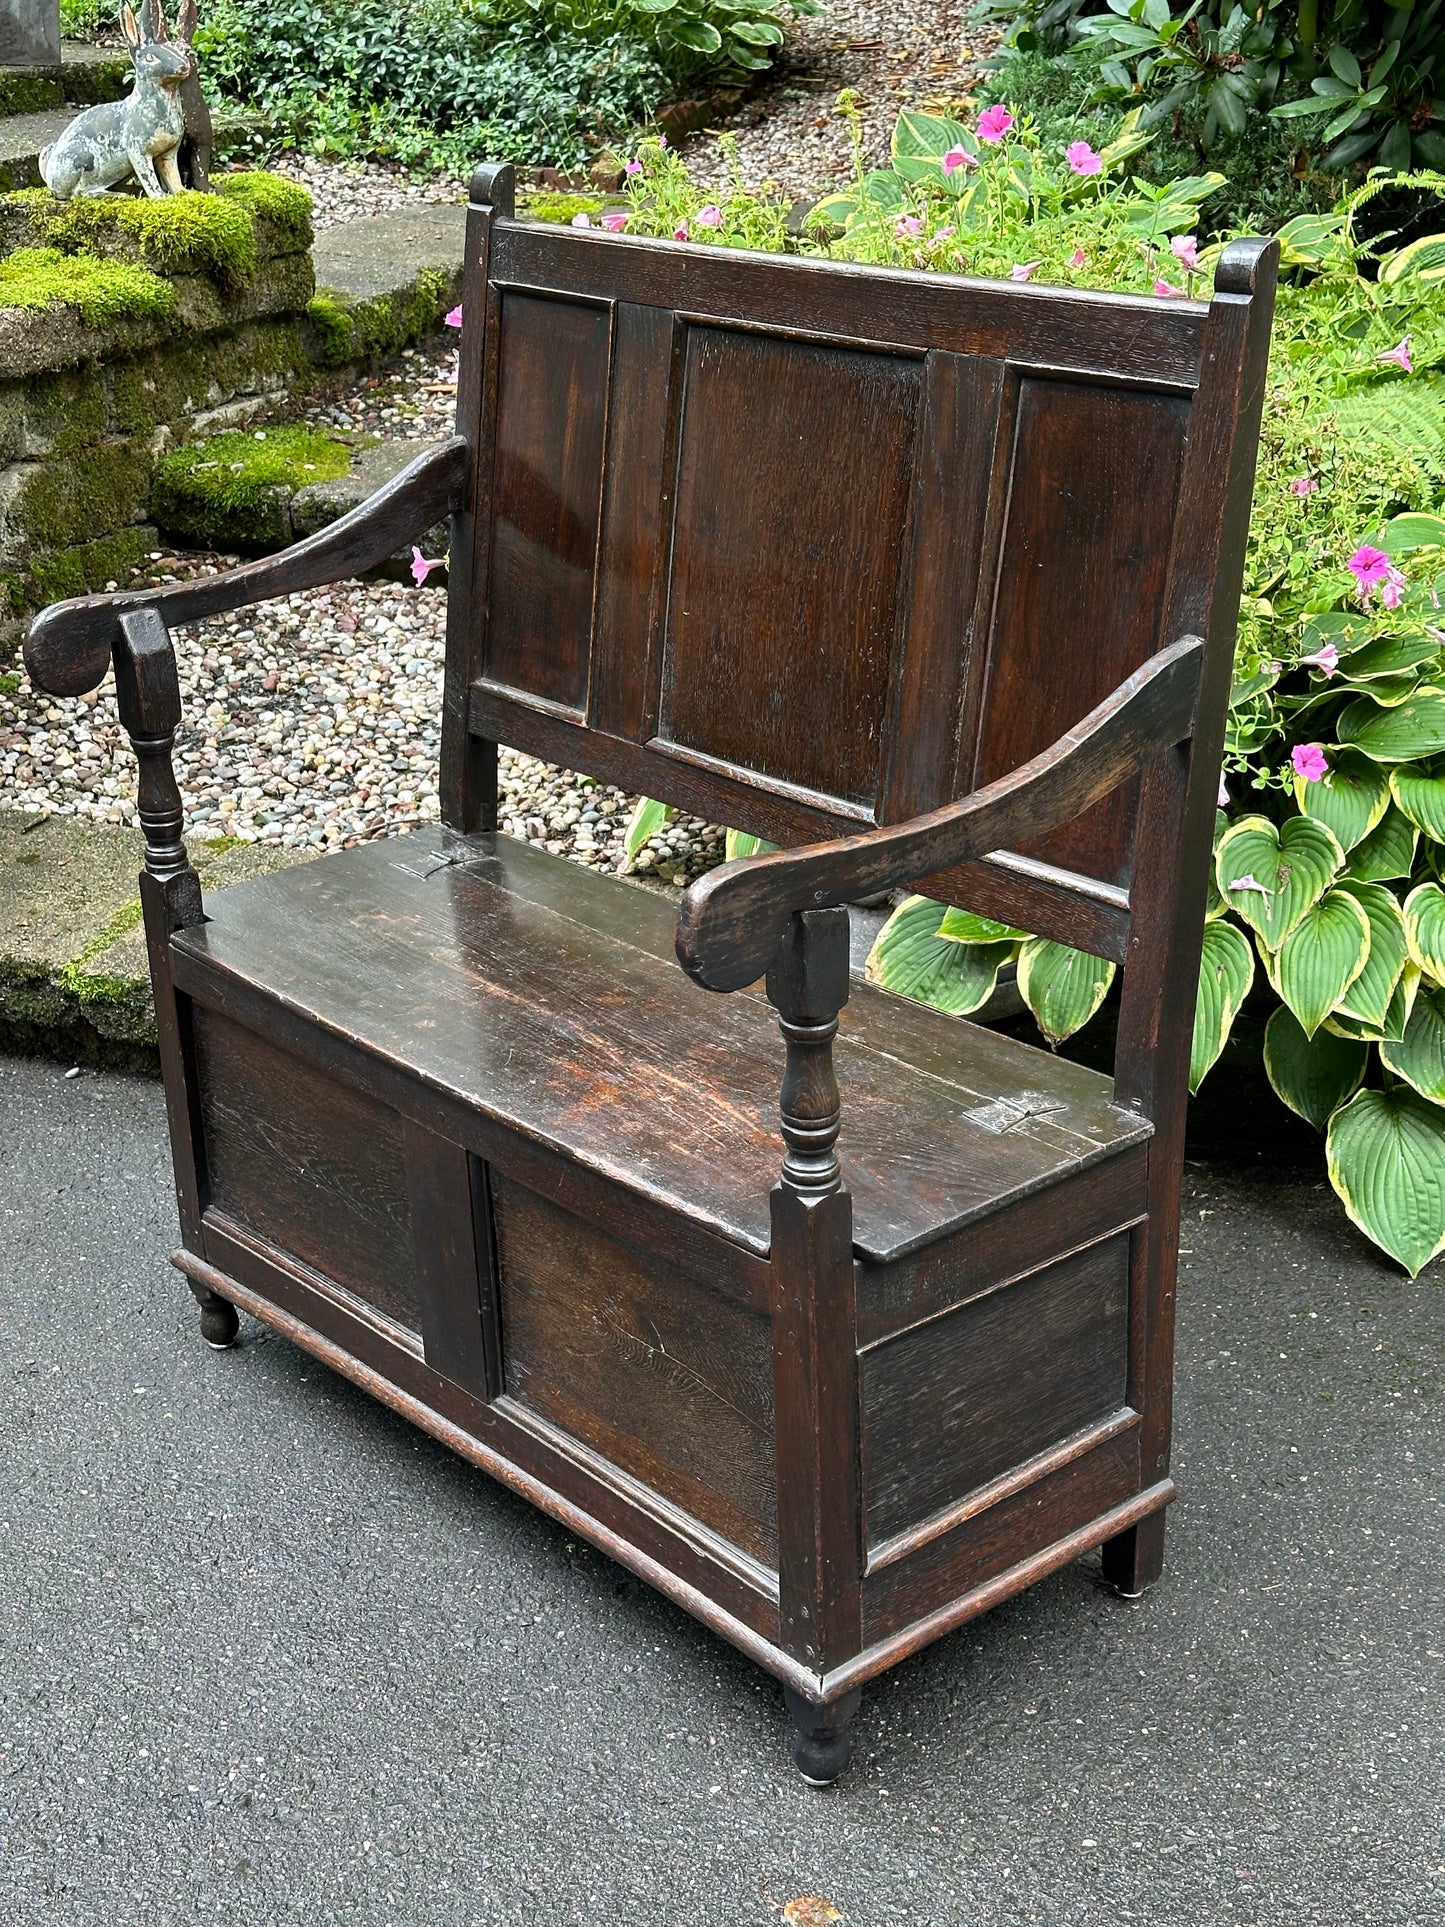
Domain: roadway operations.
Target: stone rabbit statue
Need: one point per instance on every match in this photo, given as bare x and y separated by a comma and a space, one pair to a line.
138, 135
198, 141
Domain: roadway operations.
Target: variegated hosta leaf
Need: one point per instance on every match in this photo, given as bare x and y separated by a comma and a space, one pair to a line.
1413, 728
1313, 1075
1368, 997
1397, 1017
1421, 797
1270, 876
1425, 928
1350, 800
1321, 957
741, 843
1388, 851
962, 926
1419, 1057
1226, 971
1389, 656
647, 819
1386, 1158
1408, 532
910, 958
1062, 987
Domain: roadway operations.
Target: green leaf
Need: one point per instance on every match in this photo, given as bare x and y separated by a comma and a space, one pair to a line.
1406, 532
1369, 996
1350, 800
1421, 797
696, 34
1270, 877
757, 33
1226, 971
1388, 851
962, 926
1425, 928
920, 142
1419, 1057
1388, 656
1321, 957
1312, 1075
1062, 987
740, 843
647, 819
1386, 1157
911, 959
1414, 728
1424, 259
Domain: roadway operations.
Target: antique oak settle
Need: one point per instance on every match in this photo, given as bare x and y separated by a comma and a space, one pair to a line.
930, 581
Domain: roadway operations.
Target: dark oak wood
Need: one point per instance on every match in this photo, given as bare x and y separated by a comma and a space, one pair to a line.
837, 1338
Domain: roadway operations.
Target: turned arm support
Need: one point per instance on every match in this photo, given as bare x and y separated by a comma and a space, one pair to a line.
734, 919
69, 646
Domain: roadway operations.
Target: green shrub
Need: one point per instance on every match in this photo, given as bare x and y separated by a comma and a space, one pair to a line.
447, 83
1330, 839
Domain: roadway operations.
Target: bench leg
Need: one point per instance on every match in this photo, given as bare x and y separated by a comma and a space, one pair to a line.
821, 1746
1135, 1559
219, 1323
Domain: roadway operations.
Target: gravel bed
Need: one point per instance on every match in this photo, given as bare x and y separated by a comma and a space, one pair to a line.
355, 190
413, 398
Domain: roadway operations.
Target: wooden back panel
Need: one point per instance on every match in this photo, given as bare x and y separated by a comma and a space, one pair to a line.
803, 547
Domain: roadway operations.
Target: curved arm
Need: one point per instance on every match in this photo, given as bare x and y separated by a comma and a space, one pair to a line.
734, 918
68, 648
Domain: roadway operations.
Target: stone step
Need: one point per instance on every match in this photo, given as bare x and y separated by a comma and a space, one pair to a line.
21, 138
384, 281
85, 75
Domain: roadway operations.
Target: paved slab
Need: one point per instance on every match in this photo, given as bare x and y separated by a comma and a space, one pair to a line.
370, 259
269, 1656
21, 138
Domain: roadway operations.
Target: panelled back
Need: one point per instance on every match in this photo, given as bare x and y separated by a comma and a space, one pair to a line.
801, 546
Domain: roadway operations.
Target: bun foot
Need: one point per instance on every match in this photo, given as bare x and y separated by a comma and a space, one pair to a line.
219, 1323
822, 1747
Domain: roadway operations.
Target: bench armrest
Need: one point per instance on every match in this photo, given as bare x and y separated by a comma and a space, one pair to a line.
734, 919
68, 648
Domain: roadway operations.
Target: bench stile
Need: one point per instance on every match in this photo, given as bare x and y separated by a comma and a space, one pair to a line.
930, 582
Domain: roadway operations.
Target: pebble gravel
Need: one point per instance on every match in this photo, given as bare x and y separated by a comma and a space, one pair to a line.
358, 190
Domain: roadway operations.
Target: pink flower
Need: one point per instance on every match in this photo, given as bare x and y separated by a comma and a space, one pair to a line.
1326, 660
454, 319
943, 234
1309, 761
1077, 258
957, 157
1372, 568
994, 123
679, 233
1392, 588
1304, 485
662, 140
1082, 159
1400, 355
1023, 270
633, 167
709, 216
1185, 249
1167, 291
614, 223
1221, 802
422, 565
907, 226
581, 220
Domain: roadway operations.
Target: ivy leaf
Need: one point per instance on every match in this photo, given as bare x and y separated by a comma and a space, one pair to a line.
1312, 1075
1226, 971
1425, 928
1368, 997
1062, 987
1350, 800
1386, 1157
1388, 851
911, 958
1270, 876
1419, 1057
1413, 728
1421, 797
1321, 957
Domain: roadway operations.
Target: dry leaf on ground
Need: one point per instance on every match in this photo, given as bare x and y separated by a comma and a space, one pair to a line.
810, 1910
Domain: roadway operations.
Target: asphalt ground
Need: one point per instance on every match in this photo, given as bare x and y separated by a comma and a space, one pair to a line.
268, 1655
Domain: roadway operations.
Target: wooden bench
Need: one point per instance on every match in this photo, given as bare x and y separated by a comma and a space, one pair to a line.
932, 582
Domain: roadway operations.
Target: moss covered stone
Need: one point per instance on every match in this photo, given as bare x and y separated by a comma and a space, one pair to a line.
75, 499
348, 330
29, 93
197, 372
280, 204
234, 491
559, 209
63, 413
86, 566
101, 292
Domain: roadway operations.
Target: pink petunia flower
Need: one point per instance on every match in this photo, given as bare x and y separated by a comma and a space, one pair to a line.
1022, 270
1372, 569
614, 223
422, 565
1167, 291
907, 226
679, 233
957, 157
454, 319
943, 234
581, 220
1326, 660
1400, 355
1185, 249
1077, 258
1309, 761
1082, 159
1221, 802
994, 123
633, 167
1392, 588
662, 140
709, 216
1304, 485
